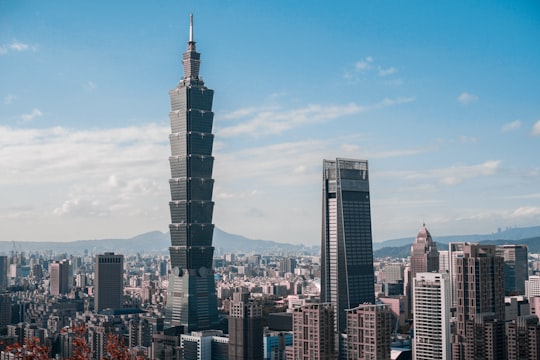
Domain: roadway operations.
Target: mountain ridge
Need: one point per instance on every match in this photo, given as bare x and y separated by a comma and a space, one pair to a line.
159, 242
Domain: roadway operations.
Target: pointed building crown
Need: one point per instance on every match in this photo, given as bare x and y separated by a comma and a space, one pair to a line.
191, 58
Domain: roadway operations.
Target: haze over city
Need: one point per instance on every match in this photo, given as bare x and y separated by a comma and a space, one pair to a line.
441, 98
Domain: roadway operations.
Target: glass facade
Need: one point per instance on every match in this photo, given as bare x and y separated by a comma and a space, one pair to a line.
191, 297
347, 278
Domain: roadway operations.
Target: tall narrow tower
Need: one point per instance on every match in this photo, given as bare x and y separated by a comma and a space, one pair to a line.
424, 254
346, 250
191, 297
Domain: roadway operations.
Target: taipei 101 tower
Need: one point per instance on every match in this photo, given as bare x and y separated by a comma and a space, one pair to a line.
191, 297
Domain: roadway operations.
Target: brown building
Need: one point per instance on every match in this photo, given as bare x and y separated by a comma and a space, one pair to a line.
246, 328
369, 330
60, 277
524, 338
480, 304
424, 254
313, 332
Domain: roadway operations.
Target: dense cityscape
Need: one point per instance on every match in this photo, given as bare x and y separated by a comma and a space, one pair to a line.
458, 301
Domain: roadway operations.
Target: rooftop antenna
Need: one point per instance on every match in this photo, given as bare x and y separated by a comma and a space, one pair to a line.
190, 27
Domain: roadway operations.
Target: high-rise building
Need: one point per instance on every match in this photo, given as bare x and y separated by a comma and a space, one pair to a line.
444, 261
516, 268
424, 254
60, 277
431, 308
3, 272
246, 328
524, 338
480, 304
108, 281
532, 286
455, 250
347, 276
191, 296
313, 332
369, 330
204, 345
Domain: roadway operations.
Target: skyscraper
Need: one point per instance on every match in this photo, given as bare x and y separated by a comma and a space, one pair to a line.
480, 304
191, 296
516, 268
108, 281
347, 278
431, 308
313, 332
424, 254
246, 328
60, 277
369, 330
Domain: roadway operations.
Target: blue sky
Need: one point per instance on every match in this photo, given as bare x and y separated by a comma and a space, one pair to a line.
442, 98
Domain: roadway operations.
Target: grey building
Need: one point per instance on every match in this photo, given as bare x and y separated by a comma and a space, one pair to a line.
246, 328
347, 277
60, 278
516, 268
479, 332
191, 297
108, 281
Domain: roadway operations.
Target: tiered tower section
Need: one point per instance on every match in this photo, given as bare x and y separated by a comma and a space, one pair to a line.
191, 298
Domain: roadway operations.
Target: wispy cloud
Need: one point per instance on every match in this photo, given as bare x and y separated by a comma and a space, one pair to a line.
452, 175
513, 125
101, 172
464, 139
16, 46
272, 122
366, 65
9, 98
90, 86
387, 71
467, 98
523, 213
31, 116
536, 128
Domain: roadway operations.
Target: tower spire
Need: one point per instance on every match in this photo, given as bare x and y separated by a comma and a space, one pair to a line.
191, 27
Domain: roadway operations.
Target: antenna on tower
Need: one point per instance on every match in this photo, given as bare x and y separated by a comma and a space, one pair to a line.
190, 27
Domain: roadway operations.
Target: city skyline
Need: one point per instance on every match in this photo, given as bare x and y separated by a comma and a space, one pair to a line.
442, 99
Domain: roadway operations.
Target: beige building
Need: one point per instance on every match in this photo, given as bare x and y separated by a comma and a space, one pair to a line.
313, 332
369, 330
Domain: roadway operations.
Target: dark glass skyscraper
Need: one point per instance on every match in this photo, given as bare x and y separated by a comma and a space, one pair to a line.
191, 297
347, 278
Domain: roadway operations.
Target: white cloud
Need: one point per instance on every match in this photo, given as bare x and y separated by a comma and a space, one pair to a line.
363, 64
16, 46
59, 154
464, 139
387, 71
33, 115
90, 85
536, 128
458, 174
467, 98
513, 125
265, 121
367, 65
452, 175
275, 122
9, 98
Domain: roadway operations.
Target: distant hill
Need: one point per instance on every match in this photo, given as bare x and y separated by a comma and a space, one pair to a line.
508, 234
404, 251
158, 243
155, 242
